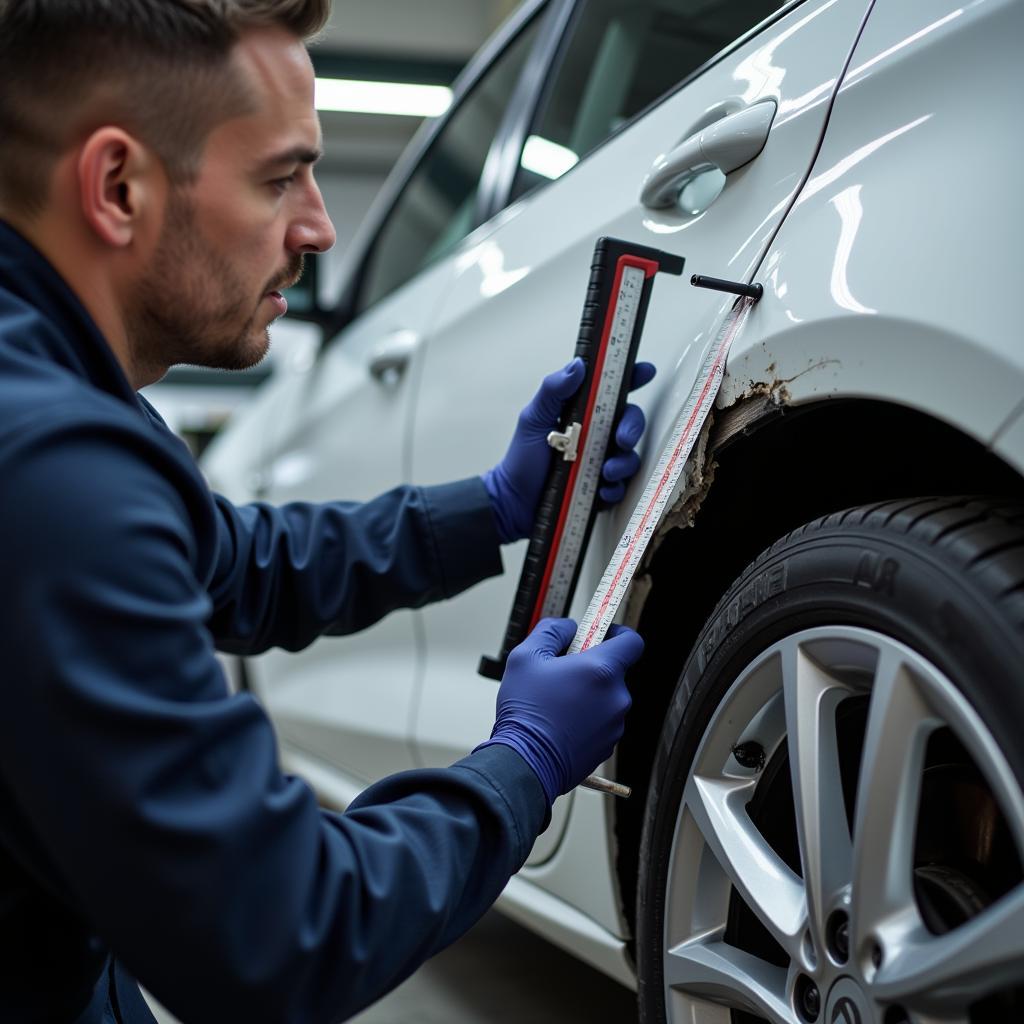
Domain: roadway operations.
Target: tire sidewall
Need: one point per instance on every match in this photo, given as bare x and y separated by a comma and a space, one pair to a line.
862, 576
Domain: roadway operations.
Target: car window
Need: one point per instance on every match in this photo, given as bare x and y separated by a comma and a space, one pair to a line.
621, 56
436, 209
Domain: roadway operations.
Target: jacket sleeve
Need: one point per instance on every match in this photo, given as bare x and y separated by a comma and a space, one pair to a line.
157, 797
284, 576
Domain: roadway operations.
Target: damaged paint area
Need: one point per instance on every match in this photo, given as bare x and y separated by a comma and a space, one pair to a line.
758, 402
776, 388
770, 382
723, 426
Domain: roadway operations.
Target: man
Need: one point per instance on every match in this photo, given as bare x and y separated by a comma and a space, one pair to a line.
156, 194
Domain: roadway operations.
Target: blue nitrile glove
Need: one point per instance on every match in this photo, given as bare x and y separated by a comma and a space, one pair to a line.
516, 483
564, 715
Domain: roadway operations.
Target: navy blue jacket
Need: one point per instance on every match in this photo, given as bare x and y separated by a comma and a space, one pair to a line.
146, 829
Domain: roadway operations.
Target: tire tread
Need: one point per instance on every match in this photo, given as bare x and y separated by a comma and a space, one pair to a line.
983, 537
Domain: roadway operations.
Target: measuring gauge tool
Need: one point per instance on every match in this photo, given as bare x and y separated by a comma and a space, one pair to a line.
649, 510
621, 280
651, 507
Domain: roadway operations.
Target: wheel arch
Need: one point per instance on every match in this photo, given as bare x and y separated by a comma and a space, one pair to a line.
768, 469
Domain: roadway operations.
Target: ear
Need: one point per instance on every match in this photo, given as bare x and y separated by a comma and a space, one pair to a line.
119, 183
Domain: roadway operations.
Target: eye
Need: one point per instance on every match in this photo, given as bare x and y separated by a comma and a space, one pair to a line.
282, 184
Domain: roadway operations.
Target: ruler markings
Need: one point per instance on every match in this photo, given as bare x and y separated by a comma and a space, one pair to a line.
647, 514
587, 479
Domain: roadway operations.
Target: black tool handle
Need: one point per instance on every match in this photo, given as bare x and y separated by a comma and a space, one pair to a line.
751, 291
596, 309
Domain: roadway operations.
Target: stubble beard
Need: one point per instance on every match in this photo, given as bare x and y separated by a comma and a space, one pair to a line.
193, 308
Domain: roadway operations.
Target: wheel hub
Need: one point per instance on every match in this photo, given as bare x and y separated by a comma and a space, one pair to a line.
847, 1004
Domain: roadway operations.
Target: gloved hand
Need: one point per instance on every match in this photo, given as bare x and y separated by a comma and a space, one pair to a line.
564, 715
515, 484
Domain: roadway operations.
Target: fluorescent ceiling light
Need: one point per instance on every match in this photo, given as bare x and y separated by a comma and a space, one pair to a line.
547, 158
382, 97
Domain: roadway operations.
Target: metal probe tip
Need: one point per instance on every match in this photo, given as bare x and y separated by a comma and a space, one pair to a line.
600, 785
751, 291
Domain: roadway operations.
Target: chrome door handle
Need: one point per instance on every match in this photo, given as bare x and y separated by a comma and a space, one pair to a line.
390, 357
727, 144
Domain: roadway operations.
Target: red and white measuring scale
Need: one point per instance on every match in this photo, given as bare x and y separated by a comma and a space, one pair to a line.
650, 508
643, 523
621, 281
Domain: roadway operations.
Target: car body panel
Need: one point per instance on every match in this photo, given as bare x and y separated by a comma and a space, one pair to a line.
892, 278
570, 898
515, 303
1009, 443
234, 459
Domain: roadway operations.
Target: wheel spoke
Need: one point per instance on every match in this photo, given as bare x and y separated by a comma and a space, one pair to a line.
771, 890
888, 792
721, 854
723, 974
812, 696
947, 972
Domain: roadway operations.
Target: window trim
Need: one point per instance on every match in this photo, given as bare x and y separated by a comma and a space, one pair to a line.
555, 67
357, 258
503, 159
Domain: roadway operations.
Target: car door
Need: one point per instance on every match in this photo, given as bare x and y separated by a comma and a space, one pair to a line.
342, 429
633, 80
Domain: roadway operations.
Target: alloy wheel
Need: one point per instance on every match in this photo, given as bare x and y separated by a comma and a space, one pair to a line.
848, 849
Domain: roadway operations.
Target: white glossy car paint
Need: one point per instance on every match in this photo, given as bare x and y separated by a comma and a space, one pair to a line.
893, 277
1009, 442
889, 273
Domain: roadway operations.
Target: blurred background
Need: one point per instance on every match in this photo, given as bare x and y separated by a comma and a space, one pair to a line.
382, 68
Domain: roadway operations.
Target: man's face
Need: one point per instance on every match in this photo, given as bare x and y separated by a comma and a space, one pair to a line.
235, 238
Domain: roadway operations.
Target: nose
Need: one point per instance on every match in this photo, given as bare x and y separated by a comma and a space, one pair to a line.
311, 230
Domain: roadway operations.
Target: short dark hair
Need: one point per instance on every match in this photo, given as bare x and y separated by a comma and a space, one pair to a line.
159, 68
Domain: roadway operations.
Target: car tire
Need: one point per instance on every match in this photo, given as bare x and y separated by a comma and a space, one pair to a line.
851, 715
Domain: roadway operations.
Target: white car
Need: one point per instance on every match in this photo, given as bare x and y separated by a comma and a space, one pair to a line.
827, 744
